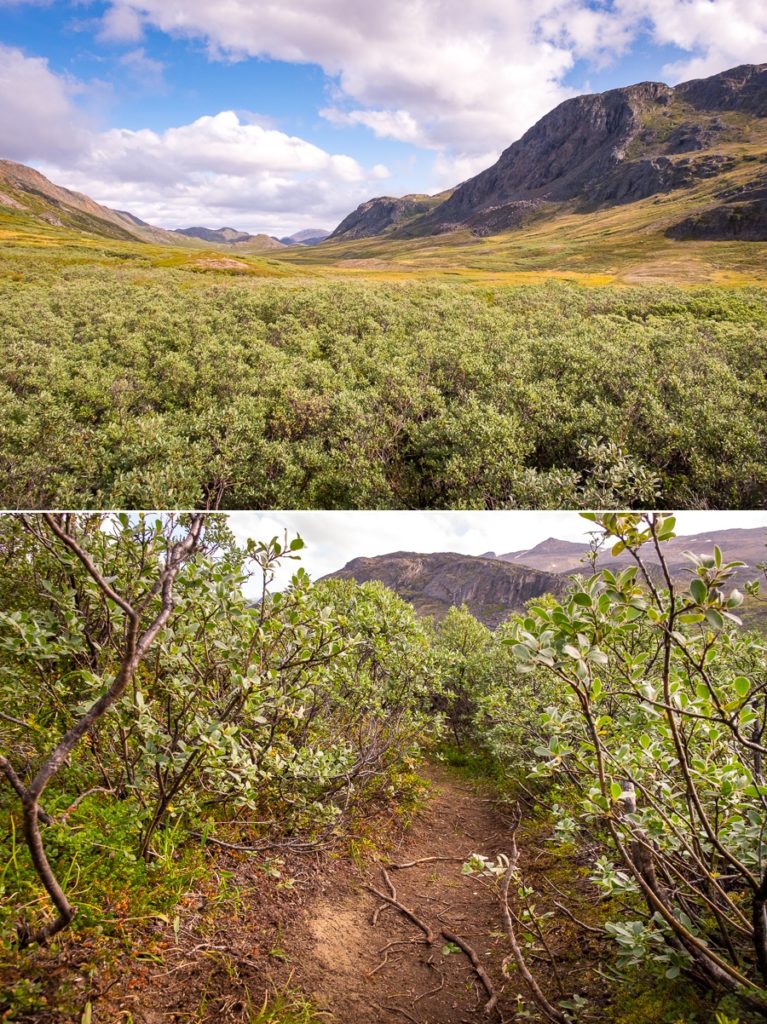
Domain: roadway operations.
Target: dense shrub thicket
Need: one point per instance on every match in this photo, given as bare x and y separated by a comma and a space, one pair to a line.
158, 392
281, 725
636, 710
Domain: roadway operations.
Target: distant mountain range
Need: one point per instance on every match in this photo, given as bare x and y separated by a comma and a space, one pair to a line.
609, 149
704, 142
240, 239
493, 586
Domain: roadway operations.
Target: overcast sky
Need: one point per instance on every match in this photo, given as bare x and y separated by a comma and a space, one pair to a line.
334, 538
272, 116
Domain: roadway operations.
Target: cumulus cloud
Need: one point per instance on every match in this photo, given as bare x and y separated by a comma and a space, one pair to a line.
440, 74
218, 170
463, 79
37, 115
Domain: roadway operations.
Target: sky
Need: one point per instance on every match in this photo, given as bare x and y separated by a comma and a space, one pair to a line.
279, 115
333, 538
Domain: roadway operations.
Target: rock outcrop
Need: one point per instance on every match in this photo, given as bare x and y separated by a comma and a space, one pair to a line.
746, 222
433, 583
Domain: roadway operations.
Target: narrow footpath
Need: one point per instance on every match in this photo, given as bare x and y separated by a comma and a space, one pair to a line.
387, 972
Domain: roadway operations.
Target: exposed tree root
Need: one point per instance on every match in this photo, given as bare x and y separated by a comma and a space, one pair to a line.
552, 1013
482, 974
406, 911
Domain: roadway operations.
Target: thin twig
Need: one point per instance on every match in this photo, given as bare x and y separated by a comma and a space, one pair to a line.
424, 860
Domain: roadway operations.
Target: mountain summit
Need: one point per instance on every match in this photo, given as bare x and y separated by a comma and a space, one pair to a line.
607, 149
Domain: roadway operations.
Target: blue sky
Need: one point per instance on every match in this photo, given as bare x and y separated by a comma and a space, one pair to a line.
274, 117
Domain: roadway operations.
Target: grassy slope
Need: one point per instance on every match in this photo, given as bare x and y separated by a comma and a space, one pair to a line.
30, 247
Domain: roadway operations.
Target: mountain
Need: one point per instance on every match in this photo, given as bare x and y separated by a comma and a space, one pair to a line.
28, 194
561, 556
26, 191
231, 238
493, 586
378, 215
433, 583
610, 149
224, 236
309, 236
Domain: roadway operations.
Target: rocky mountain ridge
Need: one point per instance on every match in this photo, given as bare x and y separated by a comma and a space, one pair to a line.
494, 586
27, 192
433, 583
561, 556
604, 149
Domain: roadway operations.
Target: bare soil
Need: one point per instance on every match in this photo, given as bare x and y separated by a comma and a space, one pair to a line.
312, 930
387, 973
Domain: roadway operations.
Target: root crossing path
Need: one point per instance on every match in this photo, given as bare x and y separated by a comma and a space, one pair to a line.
365, 959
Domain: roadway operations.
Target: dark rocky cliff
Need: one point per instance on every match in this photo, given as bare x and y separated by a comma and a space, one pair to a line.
608, 148
433, 583
611, 147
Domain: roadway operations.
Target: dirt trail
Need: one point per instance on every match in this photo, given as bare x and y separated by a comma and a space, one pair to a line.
342, 960
317, 937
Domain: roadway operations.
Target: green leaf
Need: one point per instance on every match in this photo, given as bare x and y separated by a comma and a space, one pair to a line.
582, 599
714, 619
699, 590
690, 618
742, 685
615, 790
617, 548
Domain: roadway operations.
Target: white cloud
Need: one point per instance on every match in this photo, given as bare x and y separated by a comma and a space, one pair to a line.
442, 73
37, 116
147, 71
218, 170
121, 23
392, 124
227, 168
464, 79
718, 34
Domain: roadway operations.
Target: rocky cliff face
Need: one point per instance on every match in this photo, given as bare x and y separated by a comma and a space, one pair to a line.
613, 147
604, 149
493, 586
433, 583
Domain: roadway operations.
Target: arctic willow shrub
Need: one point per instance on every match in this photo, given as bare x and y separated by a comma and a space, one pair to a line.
654, 739
300, 713
152, 390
